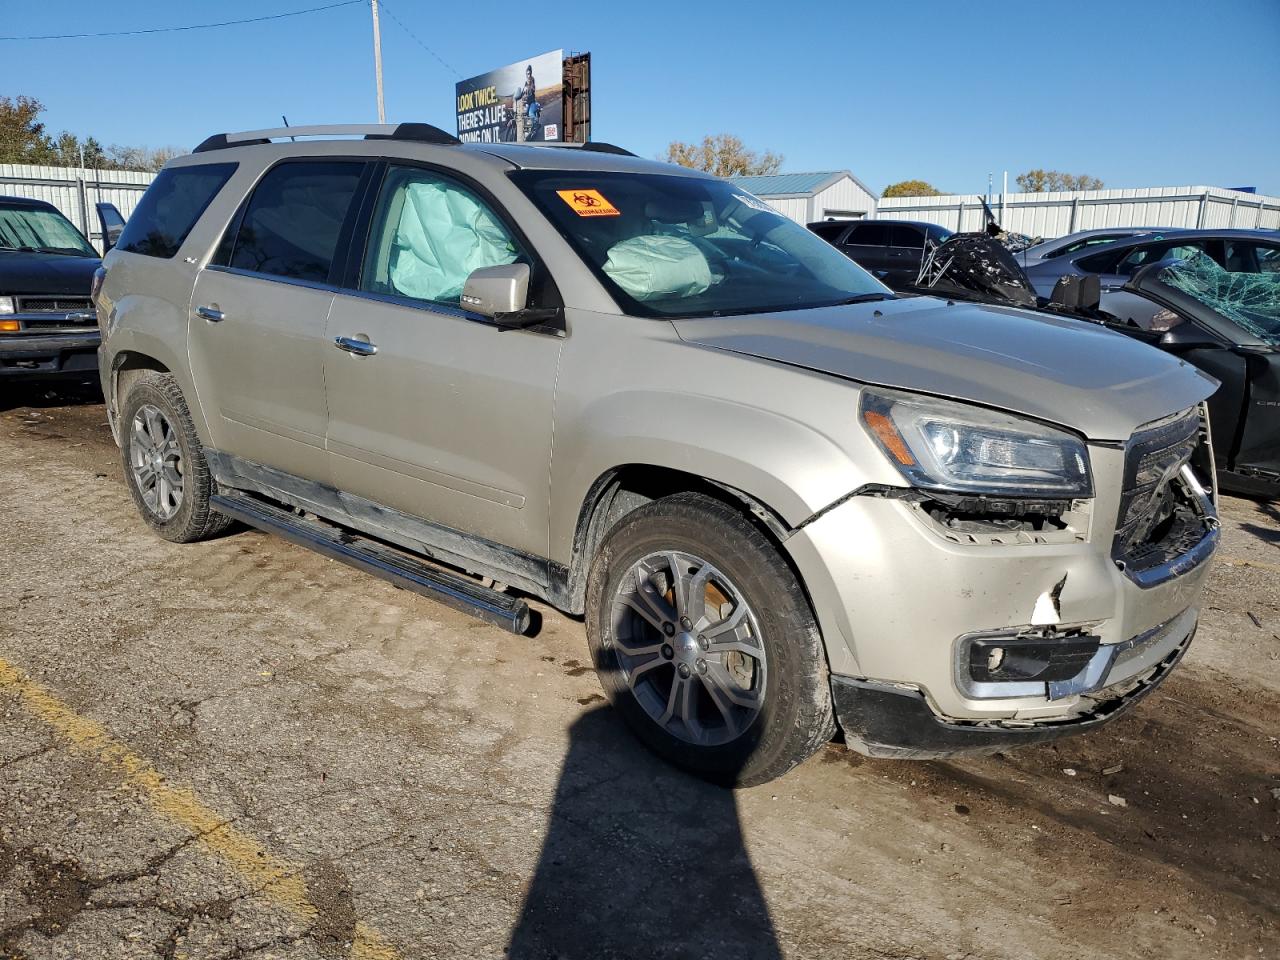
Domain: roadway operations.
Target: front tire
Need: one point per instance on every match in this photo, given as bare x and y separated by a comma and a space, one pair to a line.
164, 464
705, 642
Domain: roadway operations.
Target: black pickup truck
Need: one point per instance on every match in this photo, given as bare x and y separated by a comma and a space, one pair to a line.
48, 327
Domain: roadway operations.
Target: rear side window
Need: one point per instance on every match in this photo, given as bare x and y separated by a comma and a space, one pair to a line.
907, 236
1086, 242
829, 230
170, 208
1099, 262
291, 224
869, 235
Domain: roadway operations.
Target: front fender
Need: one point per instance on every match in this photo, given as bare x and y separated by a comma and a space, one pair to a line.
788, 438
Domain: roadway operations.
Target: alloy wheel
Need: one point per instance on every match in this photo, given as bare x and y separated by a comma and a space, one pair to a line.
156, 459
689, 648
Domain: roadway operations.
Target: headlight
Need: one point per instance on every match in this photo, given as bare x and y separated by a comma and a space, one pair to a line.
7, 305
941, 445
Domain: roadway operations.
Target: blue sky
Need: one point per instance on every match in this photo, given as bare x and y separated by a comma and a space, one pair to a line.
1136, 93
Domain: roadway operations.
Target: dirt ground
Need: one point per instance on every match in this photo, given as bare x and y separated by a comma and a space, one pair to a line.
241, 749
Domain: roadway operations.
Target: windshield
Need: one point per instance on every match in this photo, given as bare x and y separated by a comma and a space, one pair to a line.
40, 230
1250, 300
673, 246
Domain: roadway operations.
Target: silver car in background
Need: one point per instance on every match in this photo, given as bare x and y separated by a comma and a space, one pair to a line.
1238, 251
1078, 242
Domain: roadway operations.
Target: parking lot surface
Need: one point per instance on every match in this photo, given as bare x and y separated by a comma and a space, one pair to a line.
241, 749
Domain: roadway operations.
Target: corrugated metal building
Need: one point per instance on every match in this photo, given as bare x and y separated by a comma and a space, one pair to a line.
1057, 214
805, 197
63, 186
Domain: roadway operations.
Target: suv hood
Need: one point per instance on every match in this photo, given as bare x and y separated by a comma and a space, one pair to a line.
49, 273
1064, 371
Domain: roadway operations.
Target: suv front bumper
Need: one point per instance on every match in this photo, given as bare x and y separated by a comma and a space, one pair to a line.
896, 721
902, 608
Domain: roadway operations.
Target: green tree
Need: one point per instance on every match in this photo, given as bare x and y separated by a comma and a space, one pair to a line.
1043, 181
22, 136
723, 155
23, 139
911, 188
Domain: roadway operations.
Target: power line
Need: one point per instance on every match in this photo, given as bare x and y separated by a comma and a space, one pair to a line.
194, 26
382, 4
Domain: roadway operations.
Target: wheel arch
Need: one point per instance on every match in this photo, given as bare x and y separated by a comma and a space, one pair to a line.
127, 368
621, 489
132, 356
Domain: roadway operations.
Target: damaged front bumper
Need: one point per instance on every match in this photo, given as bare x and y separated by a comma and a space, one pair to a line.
945, 640
895, 721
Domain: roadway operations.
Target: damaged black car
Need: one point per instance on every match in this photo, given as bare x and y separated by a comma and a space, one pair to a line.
1223, 322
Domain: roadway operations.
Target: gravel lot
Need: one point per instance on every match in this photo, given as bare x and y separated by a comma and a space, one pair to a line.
241, 749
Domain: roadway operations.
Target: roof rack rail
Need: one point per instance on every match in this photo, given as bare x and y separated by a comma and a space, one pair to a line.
599, 146
595, 146
413, 132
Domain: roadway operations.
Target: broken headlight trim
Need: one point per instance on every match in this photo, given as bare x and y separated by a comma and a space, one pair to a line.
945, 445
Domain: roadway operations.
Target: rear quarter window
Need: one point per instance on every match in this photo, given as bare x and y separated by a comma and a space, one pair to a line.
869, 235
829, 230
170, 208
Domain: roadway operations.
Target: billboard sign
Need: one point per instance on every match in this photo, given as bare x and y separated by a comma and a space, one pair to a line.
520, 102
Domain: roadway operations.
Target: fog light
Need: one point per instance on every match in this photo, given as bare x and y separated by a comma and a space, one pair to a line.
1024, 657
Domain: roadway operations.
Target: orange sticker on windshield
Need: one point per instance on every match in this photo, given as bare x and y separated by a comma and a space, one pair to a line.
589, 203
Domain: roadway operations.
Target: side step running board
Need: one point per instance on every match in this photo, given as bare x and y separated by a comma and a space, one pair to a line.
455, 590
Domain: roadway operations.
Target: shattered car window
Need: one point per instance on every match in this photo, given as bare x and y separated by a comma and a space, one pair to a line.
1250, 300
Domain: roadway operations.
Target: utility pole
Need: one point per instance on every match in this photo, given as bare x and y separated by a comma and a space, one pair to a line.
377, 60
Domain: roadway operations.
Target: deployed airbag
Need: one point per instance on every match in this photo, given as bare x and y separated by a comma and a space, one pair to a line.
652, 267
443, 235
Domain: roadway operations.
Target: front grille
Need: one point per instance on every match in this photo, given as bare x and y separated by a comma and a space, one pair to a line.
53, 304
1162, 516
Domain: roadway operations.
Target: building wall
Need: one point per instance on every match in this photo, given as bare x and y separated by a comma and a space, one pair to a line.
1057, 214
842, 198
61, 186
797, 208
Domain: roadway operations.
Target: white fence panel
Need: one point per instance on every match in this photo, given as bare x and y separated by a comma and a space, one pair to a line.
1060, 213
75, 190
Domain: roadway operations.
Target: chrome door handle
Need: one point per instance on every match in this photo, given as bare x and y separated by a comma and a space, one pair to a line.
210, 314
361, 348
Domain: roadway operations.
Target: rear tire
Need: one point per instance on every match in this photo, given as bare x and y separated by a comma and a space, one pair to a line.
705, 642
164, 463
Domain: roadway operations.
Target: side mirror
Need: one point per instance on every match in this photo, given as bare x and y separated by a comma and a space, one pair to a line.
495, 291
1188, 336
112, 225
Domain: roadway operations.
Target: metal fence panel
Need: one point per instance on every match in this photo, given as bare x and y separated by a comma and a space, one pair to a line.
1060, 213
75, 190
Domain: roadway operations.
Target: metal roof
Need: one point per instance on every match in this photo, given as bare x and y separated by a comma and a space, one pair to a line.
792, 184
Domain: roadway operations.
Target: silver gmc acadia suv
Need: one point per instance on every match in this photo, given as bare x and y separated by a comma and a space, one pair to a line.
784, 500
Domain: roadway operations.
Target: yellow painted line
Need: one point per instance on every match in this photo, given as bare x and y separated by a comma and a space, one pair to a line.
1260, 564
277, 880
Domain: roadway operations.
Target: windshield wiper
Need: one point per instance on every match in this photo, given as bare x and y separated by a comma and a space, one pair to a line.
20, 249
866, 298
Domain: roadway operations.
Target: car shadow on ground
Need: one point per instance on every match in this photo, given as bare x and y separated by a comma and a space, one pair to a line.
1267, 534
640, 861
42, 393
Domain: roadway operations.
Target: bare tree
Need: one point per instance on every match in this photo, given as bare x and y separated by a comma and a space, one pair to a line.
1042, 181
723, 155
